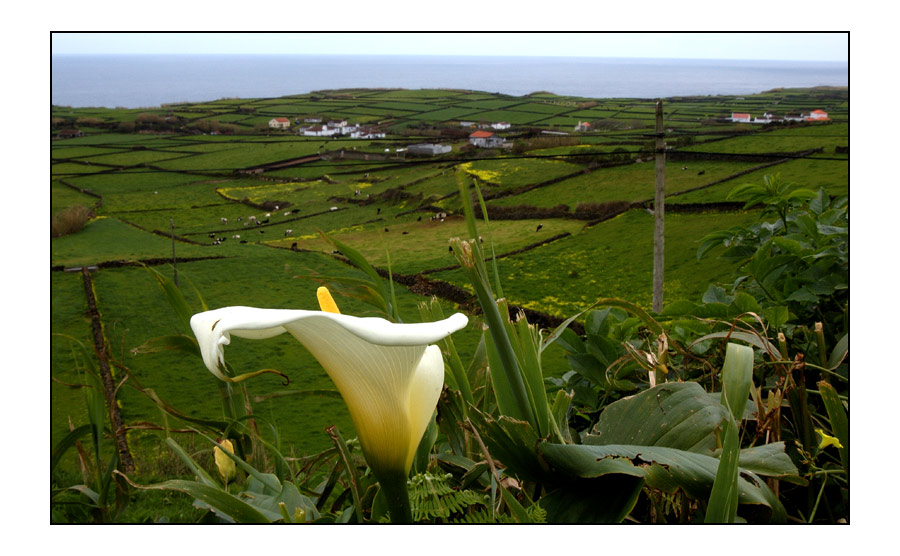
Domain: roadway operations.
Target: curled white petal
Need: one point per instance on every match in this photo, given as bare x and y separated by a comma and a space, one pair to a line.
388, 374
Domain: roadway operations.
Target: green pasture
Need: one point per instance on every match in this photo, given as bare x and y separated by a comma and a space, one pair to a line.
831, 175
198, 189
413, 246
62, 197
613, 259
108, 239
633, 182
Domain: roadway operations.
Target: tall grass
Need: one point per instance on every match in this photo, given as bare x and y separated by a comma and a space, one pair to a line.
69, 220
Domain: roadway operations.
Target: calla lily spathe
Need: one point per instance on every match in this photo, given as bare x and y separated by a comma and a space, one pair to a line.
388, 374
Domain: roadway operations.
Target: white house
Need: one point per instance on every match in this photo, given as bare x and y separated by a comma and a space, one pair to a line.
466, 124
817, 115
320, 131
500, 125
740, 117
365, 133
583, 126
485, 139
279, 123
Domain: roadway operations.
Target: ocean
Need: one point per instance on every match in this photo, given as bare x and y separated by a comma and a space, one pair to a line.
150, 80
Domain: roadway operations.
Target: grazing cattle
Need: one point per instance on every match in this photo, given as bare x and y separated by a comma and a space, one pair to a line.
333, 209
404, 233
684, 167
224, 221
212, 236
288, 213
268, 214
701, 172
294, 246
295, 211
451, 248
539, 227
262, 231
288, 233
266, 221
419, 219
240, 219
378, 211
235, 236
386, 230
251, 218
243, 241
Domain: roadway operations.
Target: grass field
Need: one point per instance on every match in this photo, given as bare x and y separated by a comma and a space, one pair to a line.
147, 181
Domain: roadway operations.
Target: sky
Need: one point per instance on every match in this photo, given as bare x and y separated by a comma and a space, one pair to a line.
728, 46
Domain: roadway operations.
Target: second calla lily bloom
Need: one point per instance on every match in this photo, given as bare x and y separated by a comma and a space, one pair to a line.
388, 374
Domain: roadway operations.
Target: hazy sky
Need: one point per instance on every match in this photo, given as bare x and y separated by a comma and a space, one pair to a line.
734, 46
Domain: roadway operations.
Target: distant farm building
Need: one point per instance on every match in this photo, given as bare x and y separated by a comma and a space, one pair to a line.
485, 139
69, 133
429, 149
817, 115
320, 131
740, 117
583, 126
500, 125
279, 123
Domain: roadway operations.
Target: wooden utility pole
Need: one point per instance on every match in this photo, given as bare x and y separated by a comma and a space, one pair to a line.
659, 212
174, 260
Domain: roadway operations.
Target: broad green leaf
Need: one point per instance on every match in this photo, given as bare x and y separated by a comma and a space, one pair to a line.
770, 460
675, 415
752, 339
667, 469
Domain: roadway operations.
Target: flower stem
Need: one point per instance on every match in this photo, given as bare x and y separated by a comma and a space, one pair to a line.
394, 486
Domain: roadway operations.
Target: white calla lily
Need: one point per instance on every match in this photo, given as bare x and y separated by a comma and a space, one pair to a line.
388, 374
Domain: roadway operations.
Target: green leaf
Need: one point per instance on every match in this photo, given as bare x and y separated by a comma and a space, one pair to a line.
723, 497
513, 442
776, 317
840, 424
737, 378
667, 469
840, 351
220, 501
176, 300
674, 415
770, 460
63, 445
715, 294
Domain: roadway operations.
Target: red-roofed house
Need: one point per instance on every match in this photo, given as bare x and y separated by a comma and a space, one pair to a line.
740, 117
817, 116
280, 123
485, 139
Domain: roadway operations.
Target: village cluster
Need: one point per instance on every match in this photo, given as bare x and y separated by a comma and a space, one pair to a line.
767, 118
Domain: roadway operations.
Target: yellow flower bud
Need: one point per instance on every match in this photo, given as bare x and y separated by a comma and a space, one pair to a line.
326, 302
224, 463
